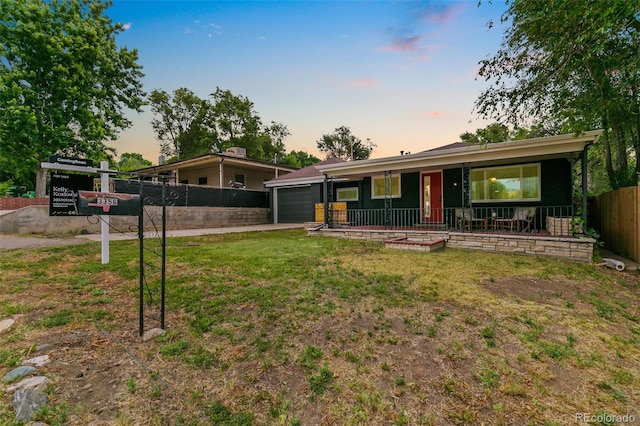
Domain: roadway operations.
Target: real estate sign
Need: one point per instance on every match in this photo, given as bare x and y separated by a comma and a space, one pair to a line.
63, 193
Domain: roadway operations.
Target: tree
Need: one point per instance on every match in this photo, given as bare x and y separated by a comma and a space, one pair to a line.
493, 133
300, 159
132, 161
575, 65
187, 126
236, 123
342, 144
496, 132
64, 84
183, 123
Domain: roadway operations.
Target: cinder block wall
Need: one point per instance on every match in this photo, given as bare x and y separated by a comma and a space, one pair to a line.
36, 220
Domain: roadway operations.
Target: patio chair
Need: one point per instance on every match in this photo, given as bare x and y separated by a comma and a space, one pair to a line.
465, 219
522, 220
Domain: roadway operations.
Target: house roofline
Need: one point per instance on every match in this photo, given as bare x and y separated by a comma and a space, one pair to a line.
296, 182
520, 149
204, 158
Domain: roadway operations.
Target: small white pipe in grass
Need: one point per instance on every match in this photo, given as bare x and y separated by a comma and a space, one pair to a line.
615, 264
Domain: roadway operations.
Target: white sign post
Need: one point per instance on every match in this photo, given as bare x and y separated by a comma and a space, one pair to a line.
104, 183
104, 219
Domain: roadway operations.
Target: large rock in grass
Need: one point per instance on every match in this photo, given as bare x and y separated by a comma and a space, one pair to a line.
27, 402
18, 373
6, 324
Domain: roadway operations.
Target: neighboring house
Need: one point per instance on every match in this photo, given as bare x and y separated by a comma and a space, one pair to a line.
231, 169
491, 186
293, 196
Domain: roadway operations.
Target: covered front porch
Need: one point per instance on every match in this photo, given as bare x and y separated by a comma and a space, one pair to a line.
497, 197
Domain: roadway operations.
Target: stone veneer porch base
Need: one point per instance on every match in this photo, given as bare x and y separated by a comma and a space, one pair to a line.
578, 249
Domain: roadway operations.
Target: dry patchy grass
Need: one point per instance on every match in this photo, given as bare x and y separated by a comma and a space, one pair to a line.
279, 328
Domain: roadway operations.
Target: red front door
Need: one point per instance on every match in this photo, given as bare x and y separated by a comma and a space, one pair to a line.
432, 197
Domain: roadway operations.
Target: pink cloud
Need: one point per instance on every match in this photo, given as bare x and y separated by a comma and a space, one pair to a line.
363, 83
404, 44
410, 45
431, 114
434, 16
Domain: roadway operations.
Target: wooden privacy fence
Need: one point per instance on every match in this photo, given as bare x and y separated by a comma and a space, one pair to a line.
616, 215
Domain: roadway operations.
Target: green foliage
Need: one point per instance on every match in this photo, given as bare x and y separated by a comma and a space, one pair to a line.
574, 66
4, 188
56, 319
221, 415
498, 132
319, 382
132, 161
64, 84
309, 358
182, 123
300, 159
342, 144
187, 125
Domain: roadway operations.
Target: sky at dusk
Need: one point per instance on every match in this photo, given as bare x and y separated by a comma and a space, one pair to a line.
401, 73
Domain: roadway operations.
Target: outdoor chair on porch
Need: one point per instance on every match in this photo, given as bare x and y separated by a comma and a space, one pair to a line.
465, 219
520, 222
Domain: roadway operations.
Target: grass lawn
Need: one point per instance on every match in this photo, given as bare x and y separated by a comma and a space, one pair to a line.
277, 328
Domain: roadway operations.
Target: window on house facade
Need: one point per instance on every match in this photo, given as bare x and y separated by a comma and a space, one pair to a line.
185, 181
378, 186
202, 180
347, 194
239, 179
506, 183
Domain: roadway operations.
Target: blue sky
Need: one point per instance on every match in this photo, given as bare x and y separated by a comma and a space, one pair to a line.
402, 73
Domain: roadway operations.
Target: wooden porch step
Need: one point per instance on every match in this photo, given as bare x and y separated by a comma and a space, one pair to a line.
416, 244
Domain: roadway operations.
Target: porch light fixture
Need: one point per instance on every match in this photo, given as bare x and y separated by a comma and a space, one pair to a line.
454, 184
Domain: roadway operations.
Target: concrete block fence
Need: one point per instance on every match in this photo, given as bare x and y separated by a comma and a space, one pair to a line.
36, 220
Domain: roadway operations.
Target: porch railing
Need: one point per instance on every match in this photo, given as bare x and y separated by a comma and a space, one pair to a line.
553, 220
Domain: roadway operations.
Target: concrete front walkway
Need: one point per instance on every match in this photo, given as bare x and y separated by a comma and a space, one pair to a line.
14, 241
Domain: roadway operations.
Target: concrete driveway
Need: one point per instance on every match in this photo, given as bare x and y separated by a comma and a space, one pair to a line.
8, 242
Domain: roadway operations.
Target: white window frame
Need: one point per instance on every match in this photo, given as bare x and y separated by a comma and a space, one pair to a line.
485, 170
381, 197
342, 190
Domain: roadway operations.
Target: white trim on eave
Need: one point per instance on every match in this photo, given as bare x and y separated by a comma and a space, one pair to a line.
517, 150
298, 182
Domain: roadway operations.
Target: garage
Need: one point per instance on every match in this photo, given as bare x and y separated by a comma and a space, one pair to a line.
294, 205
294, 195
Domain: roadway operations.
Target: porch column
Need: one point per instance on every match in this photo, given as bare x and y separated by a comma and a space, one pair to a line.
221, 172
325, 187
584, 187
274, 207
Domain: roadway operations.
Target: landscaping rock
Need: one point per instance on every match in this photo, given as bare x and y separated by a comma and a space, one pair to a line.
38, 361
18, 373
43, 347
26, 402
6, 324
152, 334
36, 382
